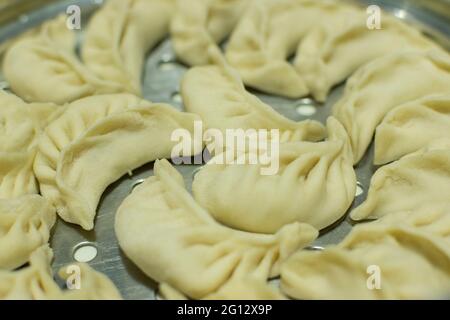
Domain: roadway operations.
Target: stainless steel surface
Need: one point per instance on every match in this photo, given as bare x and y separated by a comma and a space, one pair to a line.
161, 84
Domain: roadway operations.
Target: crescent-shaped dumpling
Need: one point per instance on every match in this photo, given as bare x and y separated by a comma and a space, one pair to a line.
375, 261
411, 127
25, 224
77, 118
385, 83
217, 94
40, 69
269, 33
418, 181
199, 26
331, 52
315, 184
120, 34
35, 282
79, 170
160, 224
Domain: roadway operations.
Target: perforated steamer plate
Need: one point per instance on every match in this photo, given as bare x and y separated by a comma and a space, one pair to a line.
161, 84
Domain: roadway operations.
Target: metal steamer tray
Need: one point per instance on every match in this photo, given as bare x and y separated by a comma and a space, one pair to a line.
161, 84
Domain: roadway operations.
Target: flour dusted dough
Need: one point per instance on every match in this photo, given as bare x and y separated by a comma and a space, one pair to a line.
413, 264
315, 184
20, 126
269, 33
385, 83
417, 182
25, 224
160, 219
200, 25
120, 34
411, 127
35, 282
40, 68
217, 94
77, 169
334, 50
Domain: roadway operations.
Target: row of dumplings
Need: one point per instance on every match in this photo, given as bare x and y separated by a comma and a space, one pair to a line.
103, 130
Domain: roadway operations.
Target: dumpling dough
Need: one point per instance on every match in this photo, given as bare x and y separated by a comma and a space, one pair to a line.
384, 84
20, 126
333, 51
160, 219
69, 126
77, 169
35, 282
40, 69
25, 224
269, 33
413, 264
315, 184
217, 94
411, 127
120, 34
200, 25
416, 182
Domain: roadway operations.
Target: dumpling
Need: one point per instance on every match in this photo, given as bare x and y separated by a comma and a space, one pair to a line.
53, 30
333, 51
21, 123
416, 182
373, 262
385, 83
269, 33
160, 219
25, 224
315, 184
20, 126
35, 282
77, 171
246, 283
217, 94
411, 127
76, 119
16, 175
198, 26
120, 34
434, 219
39, 69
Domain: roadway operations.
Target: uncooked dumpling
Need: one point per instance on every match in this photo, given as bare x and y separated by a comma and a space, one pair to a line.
385, 83
412, 126
120, 34
25, 224
315, 184
269, 33
217, 94
77, 118
161, 219
40, 69
416, 182
403, 262
16, 175
200, 25
333, 51
20, 126
35, 282
77, 171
